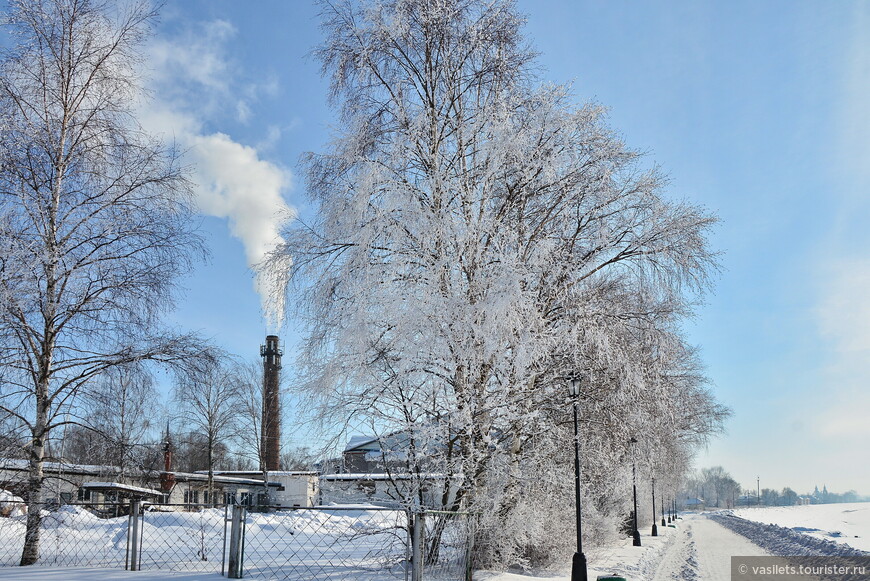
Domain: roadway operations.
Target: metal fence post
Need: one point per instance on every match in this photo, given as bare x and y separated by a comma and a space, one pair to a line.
418, 525
471, 530
224, 547
234, 571
133, 535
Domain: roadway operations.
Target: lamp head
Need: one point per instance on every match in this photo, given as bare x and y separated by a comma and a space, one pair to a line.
574, 386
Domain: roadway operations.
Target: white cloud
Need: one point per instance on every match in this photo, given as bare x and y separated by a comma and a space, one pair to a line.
243, 111
843, 317
192, 87
844, 309
845, 418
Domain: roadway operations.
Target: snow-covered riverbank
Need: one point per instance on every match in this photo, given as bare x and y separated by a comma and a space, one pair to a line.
841, 523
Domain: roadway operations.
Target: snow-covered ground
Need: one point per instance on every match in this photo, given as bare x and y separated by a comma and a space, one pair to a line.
359, 542
621, 558
698, 548
92, 574
841, 523
701, 546
695, 549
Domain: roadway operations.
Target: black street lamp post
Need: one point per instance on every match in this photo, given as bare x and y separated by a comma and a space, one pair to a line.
635, 533
663, 511
655, 530
578, 565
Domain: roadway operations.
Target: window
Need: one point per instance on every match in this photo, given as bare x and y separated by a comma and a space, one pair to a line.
229, 497
84, 495
245, 499
65, 497
191, 496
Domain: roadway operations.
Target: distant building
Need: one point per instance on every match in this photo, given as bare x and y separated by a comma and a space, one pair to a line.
287, 489
63, 481
694, 503
374, 469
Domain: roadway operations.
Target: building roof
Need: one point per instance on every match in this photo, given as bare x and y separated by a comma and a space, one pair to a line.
203, 477
93, 469
270, 473
360, 442
380, 476
123, 488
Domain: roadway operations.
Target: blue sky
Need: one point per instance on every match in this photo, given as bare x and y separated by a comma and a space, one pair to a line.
757, 110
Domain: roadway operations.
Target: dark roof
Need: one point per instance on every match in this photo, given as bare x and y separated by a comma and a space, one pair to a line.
200, 477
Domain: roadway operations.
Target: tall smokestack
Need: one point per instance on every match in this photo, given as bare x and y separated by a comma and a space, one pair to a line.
271, 430
167, 477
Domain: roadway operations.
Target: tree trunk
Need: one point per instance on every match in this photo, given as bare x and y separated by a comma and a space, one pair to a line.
30, 553
210, 486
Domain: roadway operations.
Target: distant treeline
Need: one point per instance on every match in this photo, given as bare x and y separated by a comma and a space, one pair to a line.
714, 487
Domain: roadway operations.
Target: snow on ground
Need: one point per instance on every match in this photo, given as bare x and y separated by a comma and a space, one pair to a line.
92, 574
842, 523
784, 541
621, 558
703, 551
698, 548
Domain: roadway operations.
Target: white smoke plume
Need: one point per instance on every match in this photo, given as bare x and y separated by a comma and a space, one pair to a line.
191, 80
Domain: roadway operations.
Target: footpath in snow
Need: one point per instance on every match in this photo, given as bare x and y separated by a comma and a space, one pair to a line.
703, 551
701, 546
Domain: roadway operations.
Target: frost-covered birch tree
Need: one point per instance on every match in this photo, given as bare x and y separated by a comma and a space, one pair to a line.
94, 217
207, 404
477, 238
119, 409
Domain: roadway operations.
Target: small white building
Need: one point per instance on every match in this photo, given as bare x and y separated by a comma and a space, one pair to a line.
288, 489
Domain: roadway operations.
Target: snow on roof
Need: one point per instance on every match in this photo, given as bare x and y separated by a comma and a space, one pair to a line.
6, 496
121, 488
269, 472
17, 464
356, 442
203, 477
378, 476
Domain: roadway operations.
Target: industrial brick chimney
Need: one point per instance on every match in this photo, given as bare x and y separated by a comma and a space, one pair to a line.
167, 477
271, 429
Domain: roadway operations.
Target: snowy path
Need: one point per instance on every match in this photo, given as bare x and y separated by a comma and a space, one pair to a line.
703, 551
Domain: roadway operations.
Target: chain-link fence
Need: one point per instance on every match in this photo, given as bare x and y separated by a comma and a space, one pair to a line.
70, 536
359, 543
448, 545
174, 539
